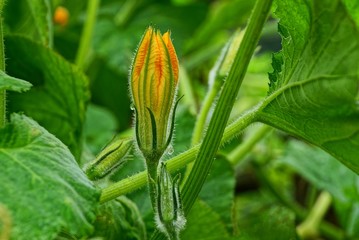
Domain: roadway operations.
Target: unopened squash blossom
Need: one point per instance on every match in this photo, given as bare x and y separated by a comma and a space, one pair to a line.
153, 82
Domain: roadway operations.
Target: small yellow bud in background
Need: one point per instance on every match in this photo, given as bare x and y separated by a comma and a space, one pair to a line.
153, 83
61, 16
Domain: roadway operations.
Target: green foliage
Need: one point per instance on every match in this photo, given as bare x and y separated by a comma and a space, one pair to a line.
204, 223
120, 220
42, 186
324, 172
99, 129
314, 86
218, 190
32, 19
59, 94
259, 216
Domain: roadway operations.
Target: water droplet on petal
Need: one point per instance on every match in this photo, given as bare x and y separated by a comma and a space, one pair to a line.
170, 150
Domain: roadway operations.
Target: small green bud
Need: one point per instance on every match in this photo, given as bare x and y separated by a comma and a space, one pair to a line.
169, 213
111, 157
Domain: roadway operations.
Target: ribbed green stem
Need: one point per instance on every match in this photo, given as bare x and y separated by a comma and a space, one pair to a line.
202, 118
2, 68
86, 37
211, 141
152, 179
139, 180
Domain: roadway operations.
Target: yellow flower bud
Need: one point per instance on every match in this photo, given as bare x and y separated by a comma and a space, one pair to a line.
153, 82
61, 16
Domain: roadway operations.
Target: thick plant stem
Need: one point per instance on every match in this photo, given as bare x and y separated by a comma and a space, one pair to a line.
2, 68
86, 36
139, 180
202, 118
211, 141
152, 180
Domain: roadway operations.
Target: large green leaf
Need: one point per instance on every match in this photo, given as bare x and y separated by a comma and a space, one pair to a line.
43, 188
259, 217
59, 94
314, 87
353, 9
324, 172
31, 18
218, 190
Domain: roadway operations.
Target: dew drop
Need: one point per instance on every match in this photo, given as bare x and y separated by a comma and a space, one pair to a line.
170, 150
132, 106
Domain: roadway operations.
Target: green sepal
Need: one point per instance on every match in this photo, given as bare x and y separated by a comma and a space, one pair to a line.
136, 129
173, 122
176, 195
154, 130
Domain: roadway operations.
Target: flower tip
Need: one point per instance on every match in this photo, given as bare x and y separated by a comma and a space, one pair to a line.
166, 37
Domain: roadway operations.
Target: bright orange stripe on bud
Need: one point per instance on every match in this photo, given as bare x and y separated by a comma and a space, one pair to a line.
159, 62
142, 54
171, 50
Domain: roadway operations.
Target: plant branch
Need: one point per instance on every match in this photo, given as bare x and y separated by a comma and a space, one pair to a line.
86, 36
152, 180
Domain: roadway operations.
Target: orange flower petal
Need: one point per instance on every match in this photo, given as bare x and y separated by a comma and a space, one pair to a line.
173, 56
141, 54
